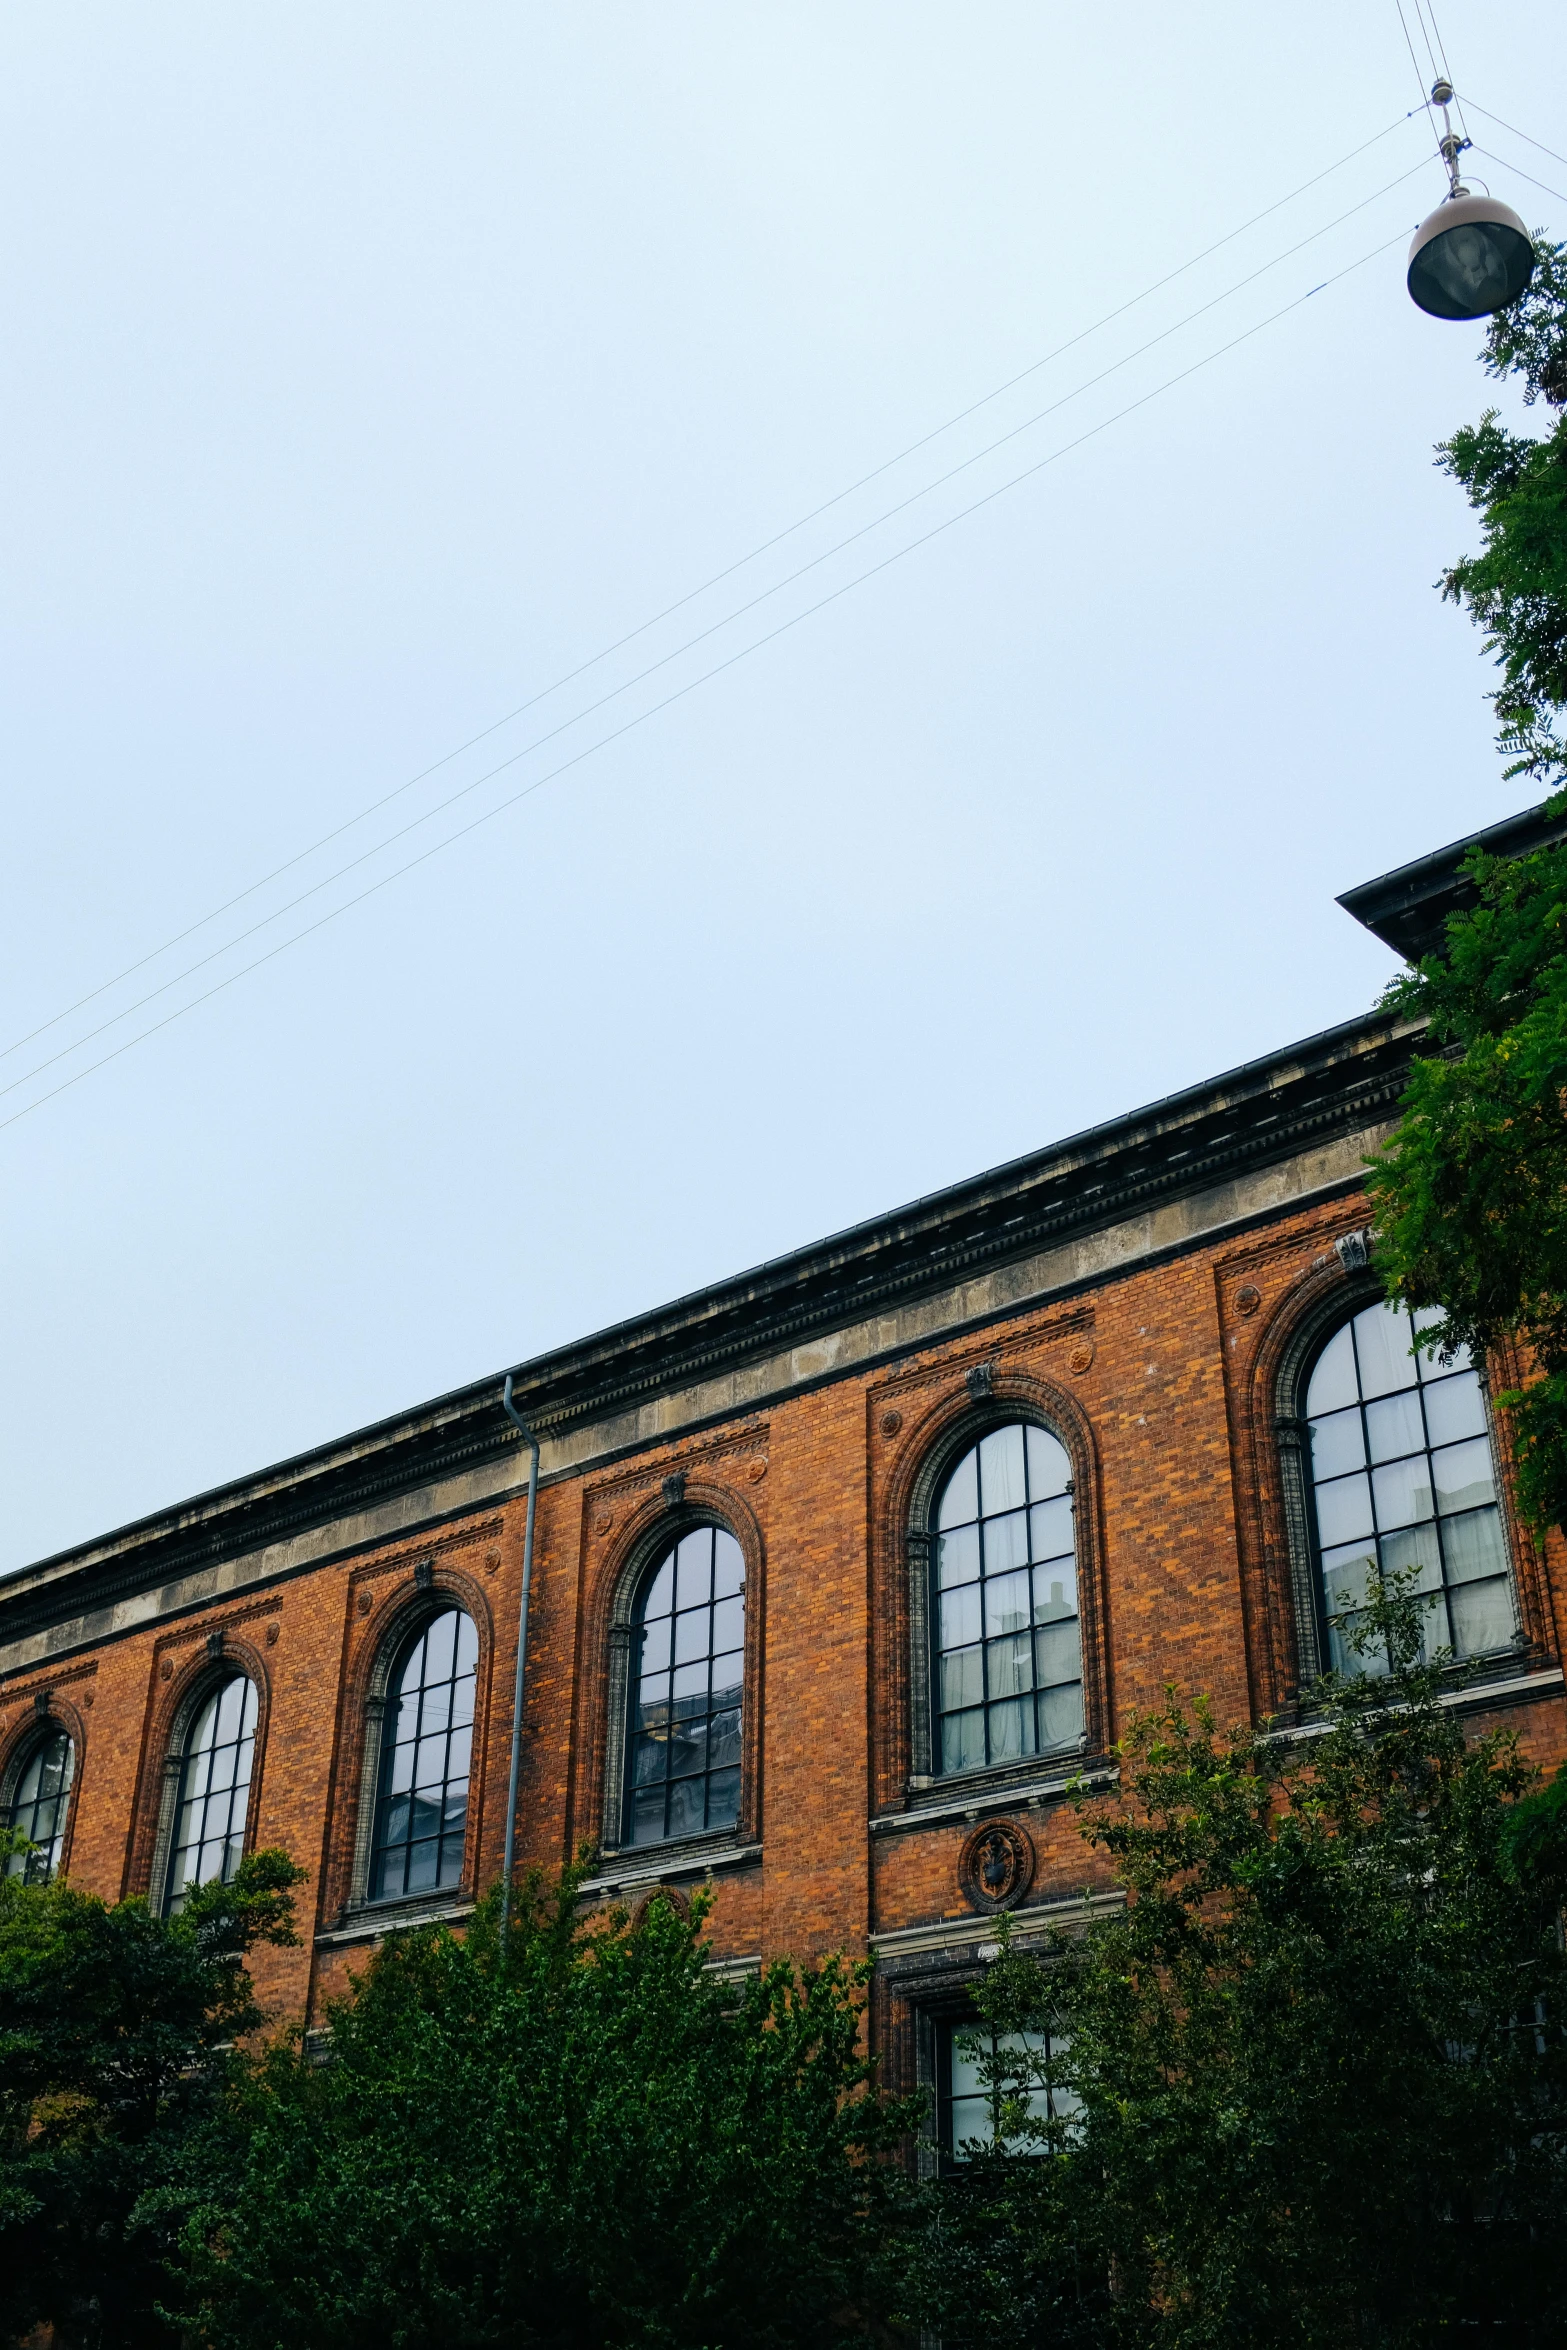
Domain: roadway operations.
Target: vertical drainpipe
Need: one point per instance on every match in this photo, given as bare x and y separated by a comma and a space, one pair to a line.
507, 1865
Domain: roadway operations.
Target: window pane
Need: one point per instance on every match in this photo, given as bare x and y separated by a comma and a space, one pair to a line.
1463, 1476
694, 1568
1049, 1468
1051, 1531
648, 1760
1403, 1491
661, 1592
963, 1741
962, 1681
1414, 1550
693, 1634
1455, 1408
687, 1807
653, 1699
690, 1688
1473, 1546
723, 1739
440, 1649
723, 1799
1061, 1715
1007, 1607
1012, 1729
1001, 1484
655, 1646
1343, 1510
728, 1565
1057, 1653
1393, 1426
1345, 1574
647, 1816
957, 1556
728, 1675
1482, 1616
1333, 1380
1337, 1443
960, 1499
729, 1623
1384, 1344
1055, 1591
960, 1616
1006, 1542
1009, 1665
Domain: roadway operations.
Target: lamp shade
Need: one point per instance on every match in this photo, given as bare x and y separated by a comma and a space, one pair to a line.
1469, 257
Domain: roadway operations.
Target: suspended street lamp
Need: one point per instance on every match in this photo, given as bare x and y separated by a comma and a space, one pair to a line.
1471, 255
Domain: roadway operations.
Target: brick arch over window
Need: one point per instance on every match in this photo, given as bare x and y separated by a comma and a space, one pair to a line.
20, 1742
380, 1650
648, 1534
931, 1448
208, 1666
1284, 1614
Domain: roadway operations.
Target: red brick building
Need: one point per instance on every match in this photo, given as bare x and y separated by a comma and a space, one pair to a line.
842, 1569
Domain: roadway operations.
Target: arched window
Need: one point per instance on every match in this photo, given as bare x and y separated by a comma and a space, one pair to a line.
421, 1819
209, 1824
39, 1802
1402, 1476
1008, 1648
684, 1767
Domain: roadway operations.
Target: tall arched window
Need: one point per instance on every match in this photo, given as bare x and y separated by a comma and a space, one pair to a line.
39, 1801
209, 1825
1008, 1648
1402, 1476
421, 1821
683, 1774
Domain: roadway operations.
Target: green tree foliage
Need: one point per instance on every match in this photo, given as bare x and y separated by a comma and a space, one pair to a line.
586, 2140
115, 2028
1319, 2058
1470, 1192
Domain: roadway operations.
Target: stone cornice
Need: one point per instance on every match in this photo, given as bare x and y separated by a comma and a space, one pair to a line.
1340, 1083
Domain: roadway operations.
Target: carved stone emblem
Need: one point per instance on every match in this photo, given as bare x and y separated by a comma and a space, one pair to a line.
981, 1381
272, 1633
670, 1894
891, 1422
1081, 1358
996, 1866
1247, 1298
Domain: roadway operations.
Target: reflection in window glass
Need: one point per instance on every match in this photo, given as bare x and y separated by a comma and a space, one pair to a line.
421, 1821
1007, 1646
209, 1827
1401, 1475
971, 2104
683, 1767
38, 1808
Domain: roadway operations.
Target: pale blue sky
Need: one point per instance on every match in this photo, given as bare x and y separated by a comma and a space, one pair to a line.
365, 369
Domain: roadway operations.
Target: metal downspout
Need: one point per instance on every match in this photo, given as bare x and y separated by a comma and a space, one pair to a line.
515, 1773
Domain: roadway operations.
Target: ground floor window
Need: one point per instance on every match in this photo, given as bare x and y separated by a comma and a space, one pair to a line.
982, 2072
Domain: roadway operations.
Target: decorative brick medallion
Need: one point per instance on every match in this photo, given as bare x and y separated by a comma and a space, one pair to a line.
996, 1866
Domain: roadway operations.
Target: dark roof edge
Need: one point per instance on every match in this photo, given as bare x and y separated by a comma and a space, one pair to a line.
1408, 908
421, 1427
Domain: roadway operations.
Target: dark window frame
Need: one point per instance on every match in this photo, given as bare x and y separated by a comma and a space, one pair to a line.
448, 1839
173, 1896
1322, 1336
723, 1813
51, 1848
970, 1443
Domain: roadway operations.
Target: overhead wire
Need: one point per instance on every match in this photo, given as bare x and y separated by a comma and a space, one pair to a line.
1492, 157
1425, 102
743, 653
1516, 133
715, 580
727, 620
